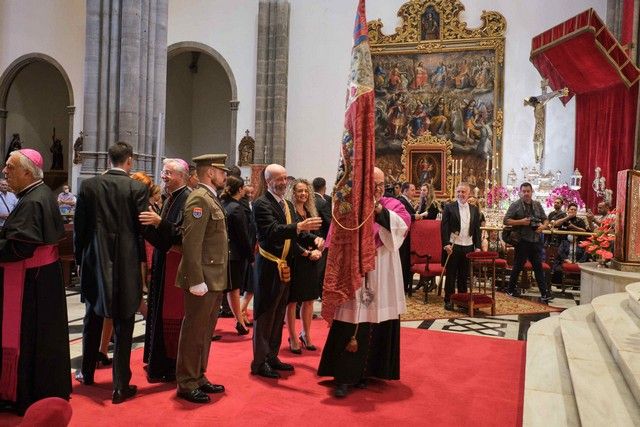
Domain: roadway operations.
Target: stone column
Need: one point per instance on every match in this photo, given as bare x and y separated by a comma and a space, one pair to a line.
614, 17
271, 81
3, 134
125, 79
68, 162
233, 105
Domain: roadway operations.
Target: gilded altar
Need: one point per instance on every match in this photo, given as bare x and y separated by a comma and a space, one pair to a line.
435, 76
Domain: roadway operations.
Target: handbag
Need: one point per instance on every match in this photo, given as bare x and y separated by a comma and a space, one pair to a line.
511, 236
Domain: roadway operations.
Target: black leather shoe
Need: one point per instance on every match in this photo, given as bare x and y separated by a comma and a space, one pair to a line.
216, 337
294, 350
241, 329
305, 343
341, 390
211, 388
103, 360
194, 396
81, 378
168, 378
120, 396
280, 366
448, 305
266, 371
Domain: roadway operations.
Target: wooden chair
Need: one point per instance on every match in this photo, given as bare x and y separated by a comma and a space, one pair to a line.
65, 248
482, 272
426, 254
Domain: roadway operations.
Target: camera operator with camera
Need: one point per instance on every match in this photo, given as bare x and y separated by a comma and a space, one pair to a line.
528, 220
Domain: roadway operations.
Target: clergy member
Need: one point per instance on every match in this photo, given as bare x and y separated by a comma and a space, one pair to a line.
277, 235
35, 333
166, 308
364, 339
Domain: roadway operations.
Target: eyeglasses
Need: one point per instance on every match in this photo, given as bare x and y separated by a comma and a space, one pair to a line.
166, 172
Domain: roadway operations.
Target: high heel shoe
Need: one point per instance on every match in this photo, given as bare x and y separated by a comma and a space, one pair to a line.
305, 344
241, 329
103, 359
294, 350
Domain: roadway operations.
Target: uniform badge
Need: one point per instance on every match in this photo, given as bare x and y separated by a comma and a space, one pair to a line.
197, 213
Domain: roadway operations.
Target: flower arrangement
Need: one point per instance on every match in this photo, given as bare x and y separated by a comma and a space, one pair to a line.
601, 243
497, 194
567, 194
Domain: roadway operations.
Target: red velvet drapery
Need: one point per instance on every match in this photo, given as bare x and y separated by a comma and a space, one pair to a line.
605, 135
583, 55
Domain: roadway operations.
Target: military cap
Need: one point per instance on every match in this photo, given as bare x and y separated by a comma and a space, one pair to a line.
215, 160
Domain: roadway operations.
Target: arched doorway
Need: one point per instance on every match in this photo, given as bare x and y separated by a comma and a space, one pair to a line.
35, 97
201, 103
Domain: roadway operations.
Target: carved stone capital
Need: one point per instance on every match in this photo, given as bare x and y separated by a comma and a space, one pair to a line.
233, 104
71, 110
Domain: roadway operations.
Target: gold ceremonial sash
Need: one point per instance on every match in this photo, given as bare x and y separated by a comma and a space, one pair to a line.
283, 269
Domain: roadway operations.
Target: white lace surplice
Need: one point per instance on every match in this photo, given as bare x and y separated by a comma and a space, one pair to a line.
385, 281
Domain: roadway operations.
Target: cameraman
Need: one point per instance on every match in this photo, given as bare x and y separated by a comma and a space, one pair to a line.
528, 220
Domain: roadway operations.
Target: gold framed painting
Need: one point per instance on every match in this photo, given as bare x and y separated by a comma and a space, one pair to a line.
435, 76
426, 160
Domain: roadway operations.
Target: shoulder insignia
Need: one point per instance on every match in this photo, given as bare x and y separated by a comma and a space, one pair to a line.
197, 213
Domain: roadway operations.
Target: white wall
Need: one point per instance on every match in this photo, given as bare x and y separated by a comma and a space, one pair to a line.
37, 103
179, 104
231, 28
319, 58
55, 28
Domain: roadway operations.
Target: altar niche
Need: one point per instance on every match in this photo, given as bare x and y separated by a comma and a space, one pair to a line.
435, 76
35, 98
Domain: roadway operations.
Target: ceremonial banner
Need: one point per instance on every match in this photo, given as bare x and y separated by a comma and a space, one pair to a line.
351, 244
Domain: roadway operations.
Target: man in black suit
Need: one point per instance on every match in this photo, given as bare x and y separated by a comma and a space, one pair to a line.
460, 232
277, 236
323, 205
109, 249
408, 191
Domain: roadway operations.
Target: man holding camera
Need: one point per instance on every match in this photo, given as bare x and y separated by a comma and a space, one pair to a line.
528, 220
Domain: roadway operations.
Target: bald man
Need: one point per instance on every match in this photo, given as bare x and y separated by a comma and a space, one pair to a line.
277, 237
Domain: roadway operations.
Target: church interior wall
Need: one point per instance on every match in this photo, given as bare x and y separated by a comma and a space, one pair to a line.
53, 28
37, 103
319, 58
320, 40
179, 103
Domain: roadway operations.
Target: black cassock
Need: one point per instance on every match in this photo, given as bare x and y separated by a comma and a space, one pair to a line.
31, 232
163, 328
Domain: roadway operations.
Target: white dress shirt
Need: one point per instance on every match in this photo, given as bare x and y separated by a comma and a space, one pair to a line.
464, 238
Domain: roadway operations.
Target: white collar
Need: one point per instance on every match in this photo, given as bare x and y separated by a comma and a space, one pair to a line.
278, 198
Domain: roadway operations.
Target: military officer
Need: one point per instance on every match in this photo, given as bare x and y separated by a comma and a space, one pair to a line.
202, 275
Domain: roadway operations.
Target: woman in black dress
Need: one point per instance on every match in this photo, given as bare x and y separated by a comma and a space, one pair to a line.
428, 207
306, 273
240, 250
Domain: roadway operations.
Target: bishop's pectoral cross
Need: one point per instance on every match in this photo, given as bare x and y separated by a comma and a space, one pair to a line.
539, 112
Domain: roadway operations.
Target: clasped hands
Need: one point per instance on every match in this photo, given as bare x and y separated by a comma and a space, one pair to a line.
199, 290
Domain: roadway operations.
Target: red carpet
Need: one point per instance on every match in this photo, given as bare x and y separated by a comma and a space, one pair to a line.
446, 379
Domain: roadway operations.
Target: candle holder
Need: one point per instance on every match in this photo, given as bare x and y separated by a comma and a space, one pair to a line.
576, 180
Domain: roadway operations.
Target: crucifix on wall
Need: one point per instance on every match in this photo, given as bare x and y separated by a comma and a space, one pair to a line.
538, 103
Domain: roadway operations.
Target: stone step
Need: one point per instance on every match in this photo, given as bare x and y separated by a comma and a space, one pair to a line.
620, 327
601, 392
633, 290
547, 387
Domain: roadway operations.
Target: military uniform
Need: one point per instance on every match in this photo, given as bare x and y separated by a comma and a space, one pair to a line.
205, 253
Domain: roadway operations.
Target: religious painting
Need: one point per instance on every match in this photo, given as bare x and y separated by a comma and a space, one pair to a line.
427, 160
435, 76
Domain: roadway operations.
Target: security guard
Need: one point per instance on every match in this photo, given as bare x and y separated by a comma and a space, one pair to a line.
202, 275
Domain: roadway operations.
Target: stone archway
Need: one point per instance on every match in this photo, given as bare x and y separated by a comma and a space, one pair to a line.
6, 80
191, 46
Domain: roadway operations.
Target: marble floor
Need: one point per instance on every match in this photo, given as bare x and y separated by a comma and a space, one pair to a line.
513, 327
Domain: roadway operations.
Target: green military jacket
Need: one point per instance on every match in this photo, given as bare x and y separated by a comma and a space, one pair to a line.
205, 248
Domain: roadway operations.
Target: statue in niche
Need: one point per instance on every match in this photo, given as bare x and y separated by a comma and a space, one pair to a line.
56, 153
14, 145
246, 150
539, 112
430, 24
77, 148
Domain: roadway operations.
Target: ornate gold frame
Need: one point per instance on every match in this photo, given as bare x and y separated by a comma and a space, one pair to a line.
454, 36
428, 144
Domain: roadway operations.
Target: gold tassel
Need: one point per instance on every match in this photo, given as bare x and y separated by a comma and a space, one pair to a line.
352, 346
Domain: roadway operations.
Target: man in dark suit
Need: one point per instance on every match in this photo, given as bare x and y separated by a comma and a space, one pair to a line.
408, 193
109, 249
323, 205
277, 236
460, 232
